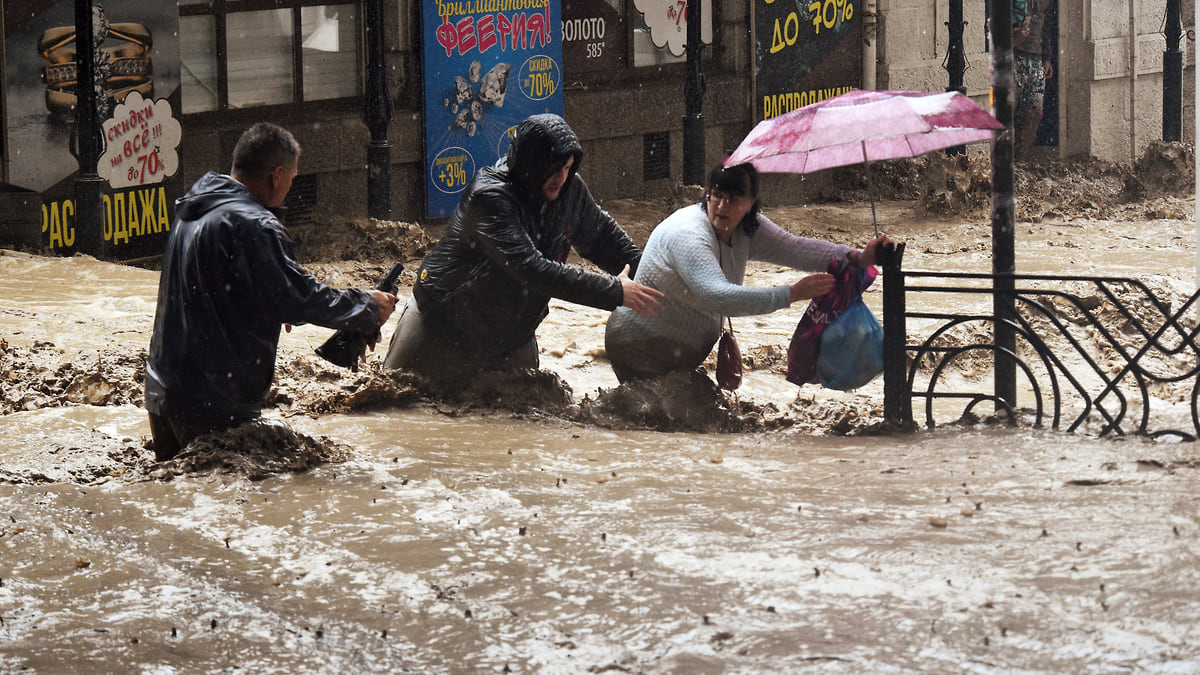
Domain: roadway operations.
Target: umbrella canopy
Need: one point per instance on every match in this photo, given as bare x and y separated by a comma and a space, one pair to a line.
862, 126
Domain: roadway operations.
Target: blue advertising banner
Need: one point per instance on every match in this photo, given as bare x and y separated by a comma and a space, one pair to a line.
488, 65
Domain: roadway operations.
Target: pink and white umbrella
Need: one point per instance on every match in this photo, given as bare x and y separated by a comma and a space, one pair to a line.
861, 126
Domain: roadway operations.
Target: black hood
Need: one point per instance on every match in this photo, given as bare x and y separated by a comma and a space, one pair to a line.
541, 146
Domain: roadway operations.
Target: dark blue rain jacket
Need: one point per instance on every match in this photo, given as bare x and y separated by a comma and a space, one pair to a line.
487, 284
229, 282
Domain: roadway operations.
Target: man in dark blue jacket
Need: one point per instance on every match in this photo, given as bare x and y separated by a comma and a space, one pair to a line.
483, 290
229, 282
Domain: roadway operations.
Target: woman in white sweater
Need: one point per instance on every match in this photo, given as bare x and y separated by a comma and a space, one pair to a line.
697, 258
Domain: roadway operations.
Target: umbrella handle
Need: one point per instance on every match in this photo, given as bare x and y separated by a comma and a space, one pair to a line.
870, 190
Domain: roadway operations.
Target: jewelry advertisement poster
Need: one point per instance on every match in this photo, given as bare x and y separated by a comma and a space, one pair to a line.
137, 82
488, 65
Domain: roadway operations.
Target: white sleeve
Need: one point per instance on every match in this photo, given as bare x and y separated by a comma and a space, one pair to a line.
773, 244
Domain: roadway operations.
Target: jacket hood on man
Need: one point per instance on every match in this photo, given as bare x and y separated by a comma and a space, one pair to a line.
541, 146
486, 285
211, 191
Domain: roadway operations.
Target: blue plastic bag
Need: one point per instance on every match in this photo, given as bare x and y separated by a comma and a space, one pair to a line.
849, 281
851, 349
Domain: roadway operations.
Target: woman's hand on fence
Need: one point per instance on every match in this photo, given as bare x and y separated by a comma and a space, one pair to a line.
870, 253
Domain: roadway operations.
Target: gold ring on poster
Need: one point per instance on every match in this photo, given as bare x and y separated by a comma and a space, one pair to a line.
126, 64
61, 98
68, 72
57, 45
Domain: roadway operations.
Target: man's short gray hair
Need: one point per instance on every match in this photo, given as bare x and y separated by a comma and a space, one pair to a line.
263, 147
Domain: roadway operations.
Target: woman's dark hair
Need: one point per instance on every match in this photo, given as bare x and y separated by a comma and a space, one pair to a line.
739, 180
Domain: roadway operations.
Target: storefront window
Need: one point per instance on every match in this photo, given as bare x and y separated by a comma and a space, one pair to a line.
644, 51
260, 66
198, 71
597, 34
329, 36
268, 52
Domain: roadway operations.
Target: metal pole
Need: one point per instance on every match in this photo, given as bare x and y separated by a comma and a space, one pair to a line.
1133, 74
693, 98
870, 31
1173, 75
897, 398
956, 61
88, 136
377, 114
1003, 247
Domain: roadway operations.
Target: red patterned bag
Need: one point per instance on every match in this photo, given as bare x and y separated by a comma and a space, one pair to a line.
805, 348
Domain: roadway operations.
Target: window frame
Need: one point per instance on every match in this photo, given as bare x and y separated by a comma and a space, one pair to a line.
220, 9
710, 56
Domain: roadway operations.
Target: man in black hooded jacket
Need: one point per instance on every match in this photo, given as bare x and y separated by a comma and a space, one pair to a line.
229, 282
483, 290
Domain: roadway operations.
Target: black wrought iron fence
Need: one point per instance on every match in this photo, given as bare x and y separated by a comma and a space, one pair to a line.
1105, 355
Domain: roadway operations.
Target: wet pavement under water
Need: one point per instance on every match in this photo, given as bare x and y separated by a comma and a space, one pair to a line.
475, 544
426, 539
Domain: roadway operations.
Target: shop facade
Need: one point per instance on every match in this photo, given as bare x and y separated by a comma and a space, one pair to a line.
615, 68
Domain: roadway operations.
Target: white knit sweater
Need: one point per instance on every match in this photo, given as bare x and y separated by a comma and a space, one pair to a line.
701, 278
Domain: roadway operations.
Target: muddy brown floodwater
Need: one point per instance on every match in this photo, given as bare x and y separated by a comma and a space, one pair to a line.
555, 523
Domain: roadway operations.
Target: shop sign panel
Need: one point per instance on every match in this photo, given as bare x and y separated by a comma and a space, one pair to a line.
137, 59
594, 37
804, 51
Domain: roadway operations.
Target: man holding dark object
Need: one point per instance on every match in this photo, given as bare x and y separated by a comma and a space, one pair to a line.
230, 281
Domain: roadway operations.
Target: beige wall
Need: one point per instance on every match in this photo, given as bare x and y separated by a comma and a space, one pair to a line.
1100, 102
1096, 100
914, 39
